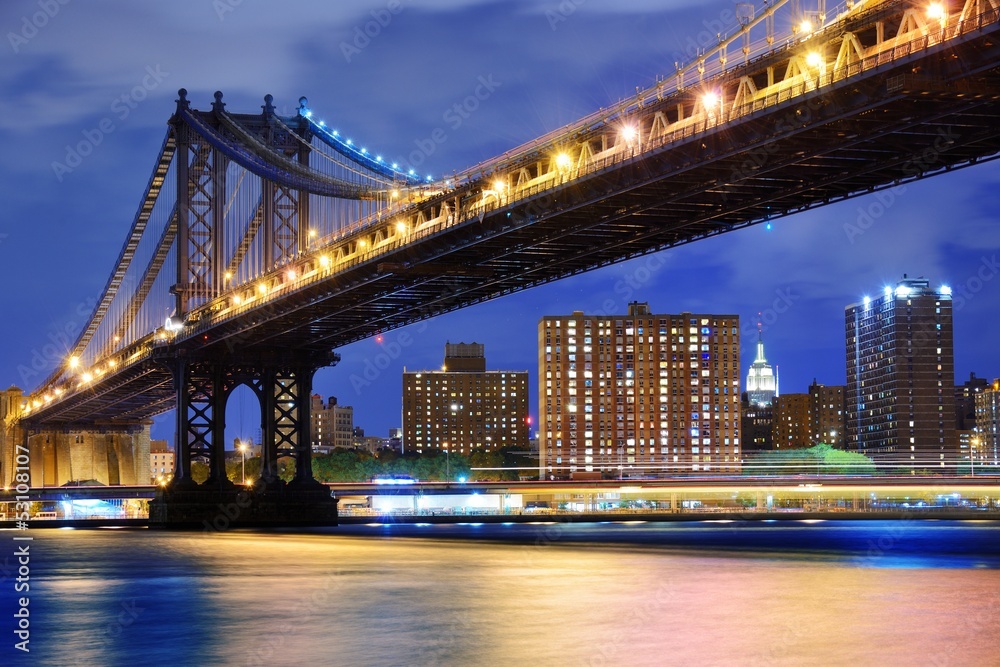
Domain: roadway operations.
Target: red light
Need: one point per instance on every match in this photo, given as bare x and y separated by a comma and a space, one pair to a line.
206, 336
378, 339
528, 420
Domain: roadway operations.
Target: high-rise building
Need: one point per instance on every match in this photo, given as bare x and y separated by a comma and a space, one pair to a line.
757, 426
638, 394
965, 401
792, 423
900, 377
987, 434
332, 424
464, 407
762, 382
826, 414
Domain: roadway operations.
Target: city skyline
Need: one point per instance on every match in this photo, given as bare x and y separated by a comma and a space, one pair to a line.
798, 275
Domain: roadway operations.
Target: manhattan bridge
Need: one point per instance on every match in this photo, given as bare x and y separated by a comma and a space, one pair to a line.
263, 242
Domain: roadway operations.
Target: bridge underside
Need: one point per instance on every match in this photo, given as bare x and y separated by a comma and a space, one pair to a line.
919, 115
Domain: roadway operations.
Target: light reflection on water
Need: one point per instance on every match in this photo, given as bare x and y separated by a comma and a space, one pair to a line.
834, 594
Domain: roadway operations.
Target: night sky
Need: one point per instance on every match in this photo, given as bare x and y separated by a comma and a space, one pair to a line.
119, 64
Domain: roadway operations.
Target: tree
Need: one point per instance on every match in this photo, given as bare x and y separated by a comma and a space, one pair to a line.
199, 471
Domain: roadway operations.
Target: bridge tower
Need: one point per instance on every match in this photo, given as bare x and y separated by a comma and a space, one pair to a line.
203, 381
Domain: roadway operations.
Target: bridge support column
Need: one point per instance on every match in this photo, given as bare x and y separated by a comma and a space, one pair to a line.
282, 381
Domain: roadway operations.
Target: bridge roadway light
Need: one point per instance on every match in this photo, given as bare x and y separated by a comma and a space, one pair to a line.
713, 103
806, 26
324, 261
937, 10
814, 59
74, 362
629, 133
401, 227
563, 161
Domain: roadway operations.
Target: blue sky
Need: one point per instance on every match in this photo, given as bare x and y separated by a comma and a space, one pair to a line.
112, 69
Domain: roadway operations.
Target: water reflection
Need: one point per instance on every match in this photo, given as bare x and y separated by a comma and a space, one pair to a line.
513, 595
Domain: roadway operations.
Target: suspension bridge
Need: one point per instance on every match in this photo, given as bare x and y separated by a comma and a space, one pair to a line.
264, 242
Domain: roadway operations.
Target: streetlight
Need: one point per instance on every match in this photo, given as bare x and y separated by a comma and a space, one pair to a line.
240, 445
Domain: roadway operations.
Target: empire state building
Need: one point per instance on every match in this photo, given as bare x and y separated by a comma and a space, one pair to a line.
762, 384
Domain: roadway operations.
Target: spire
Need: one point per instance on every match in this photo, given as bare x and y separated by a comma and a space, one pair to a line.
762, 379
760, 341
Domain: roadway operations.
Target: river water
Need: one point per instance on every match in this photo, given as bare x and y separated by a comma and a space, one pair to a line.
789, 593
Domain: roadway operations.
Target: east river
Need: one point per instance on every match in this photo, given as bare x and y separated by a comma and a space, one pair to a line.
782, 593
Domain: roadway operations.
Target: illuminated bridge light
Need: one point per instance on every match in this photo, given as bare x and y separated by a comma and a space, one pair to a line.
74, 362
563, 161
291, 275
814, 59
710, 100
629, 133
936, 10
324, 261
400, 226
262, 288
806, 26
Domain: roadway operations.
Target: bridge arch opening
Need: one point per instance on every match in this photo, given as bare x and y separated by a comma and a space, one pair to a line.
243, 434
